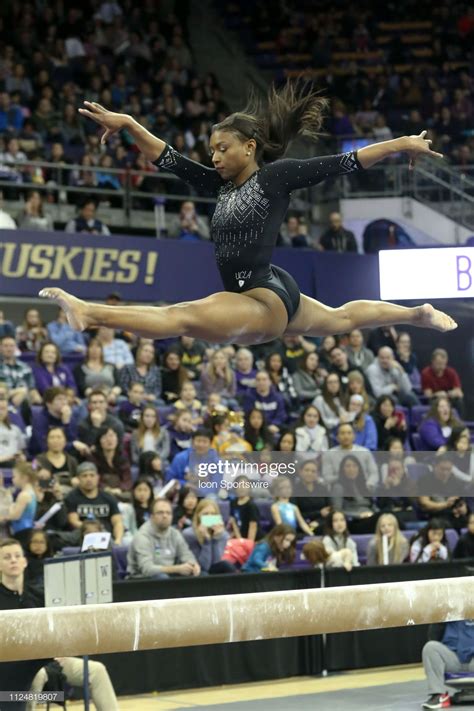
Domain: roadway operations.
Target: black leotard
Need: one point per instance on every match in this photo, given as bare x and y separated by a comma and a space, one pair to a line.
247, 217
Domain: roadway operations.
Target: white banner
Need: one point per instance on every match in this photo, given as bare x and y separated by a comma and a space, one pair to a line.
445, 273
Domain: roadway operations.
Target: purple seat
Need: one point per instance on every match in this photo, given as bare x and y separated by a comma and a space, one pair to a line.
417, 414
416, 442
119, 555
225, 510
71, 550
406, 412
416, 471
452, 538
264, 507
72, 359
7, 475
164, 412
28, 357
362, 541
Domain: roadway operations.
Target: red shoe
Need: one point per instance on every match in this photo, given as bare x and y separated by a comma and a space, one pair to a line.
438, 701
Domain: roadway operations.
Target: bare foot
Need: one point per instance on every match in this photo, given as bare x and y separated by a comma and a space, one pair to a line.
429, 317
75, 309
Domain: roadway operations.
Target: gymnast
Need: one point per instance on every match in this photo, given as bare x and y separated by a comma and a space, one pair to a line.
252, 184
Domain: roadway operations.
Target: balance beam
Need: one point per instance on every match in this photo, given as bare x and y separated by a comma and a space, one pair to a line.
161, 624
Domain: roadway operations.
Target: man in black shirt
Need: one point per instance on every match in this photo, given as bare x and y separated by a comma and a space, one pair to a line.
88, 501
337, 238
244, 512
16, 676
26, 675
98, 417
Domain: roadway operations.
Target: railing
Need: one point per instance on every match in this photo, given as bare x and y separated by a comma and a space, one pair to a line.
130, 206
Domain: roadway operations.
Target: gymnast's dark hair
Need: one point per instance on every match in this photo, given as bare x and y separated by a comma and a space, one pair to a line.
273, 121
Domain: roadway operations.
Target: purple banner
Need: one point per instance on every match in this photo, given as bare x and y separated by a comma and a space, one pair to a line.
141, 269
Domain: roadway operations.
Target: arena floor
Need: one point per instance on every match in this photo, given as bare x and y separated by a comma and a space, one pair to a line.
393, 689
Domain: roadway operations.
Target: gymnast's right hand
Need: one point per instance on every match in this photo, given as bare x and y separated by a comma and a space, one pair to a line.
111, 121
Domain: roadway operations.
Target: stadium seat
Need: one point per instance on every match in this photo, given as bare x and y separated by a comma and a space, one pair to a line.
416, 442
416, 471
417, 414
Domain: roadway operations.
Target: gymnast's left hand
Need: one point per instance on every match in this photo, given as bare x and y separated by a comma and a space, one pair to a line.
419, 145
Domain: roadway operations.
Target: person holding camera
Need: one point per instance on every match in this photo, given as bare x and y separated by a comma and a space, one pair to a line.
188, 225
207, 538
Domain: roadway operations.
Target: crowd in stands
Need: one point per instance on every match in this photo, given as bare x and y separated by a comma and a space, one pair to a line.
117, 430
383, 79
390, 69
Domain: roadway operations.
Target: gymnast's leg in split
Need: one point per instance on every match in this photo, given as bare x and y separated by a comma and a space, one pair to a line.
256, 316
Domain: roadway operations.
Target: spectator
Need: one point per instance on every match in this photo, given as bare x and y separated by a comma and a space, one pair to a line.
15, 594
55, 459
33, 216
453, 653
87, 501
227, 437
337, 238
48, 371
364, 427
356, 386
180, 432
339, 363
283, 511
38, 548
142, 500
113, 466
310, 494
87, 221
441, 482
12, 439
387, 377
95, 374
185, 464
130, 410
317, 555
465, 544
308, 378
218, 377
358, 354
158, 550
286, 441
437, 425
430, 544
151, 467
98, 417
397, 545
256, 432
440, 379
173, 376
55, 413
66, 338
282, 381
16, 375
208, 542
185, 507
388, 421
6, 327
21, 514
351, 494
337, 536
115, 350
380, 337
244, 513
192, 352
396, 490
277, 548
189, 402
295, 232
459, 443
11, 115
150, 437
408, 359
244, 373
143, 371
31, 335
270, 402
6, 221
332, 404
188, 225
292, 350
311, 435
